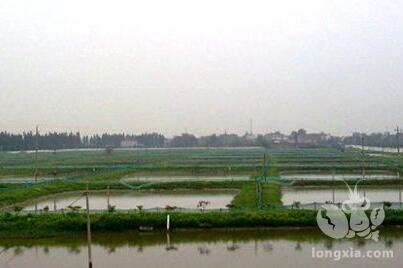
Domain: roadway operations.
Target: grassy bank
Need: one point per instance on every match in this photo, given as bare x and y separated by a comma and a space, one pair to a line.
247, 197
45, 225
271, 195
42, 225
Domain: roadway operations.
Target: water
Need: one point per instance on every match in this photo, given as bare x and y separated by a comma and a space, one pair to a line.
306, 196
132, 199
198, 249
184, 178
24, 179
329, 177
374, 148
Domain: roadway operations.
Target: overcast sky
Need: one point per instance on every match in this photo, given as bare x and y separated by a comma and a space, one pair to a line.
201, 66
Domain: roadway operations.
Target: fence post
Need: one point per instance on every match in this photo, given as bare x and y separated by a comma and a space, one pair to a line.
88, 228
168, 222
108, 197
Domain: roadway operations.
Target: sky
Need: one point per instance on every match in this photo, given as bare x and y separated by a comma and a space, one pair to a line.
201, 66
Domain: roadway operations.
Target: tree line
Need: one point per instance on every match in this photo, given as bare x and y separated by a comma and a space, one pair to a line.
72, 140
65, 140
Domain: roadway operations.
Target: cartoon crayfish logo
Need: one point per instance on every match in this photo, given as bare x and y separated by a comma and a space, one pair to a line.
351, 219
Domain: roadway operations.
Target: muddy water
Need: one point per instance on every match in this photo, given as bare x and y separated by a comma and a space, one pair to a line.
24, 179
306, 196
375, 148
132, 199
199, 249
184, 178
337, 176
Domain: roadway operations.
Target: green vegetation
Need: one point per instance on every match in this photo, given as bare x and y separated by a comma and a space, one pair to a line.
49, 224
74, 169
185, 161
271, 195
247, 197
256, 205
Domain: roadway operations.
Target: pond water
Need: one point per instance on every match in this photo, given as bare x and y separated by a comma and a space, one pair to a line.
132, 199
199, 249
374, 148
184, 178
328, 177
24, 179
306, 196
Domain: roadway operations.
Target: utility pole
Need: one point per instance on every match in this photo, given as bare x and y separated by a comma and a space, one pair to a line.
36, 153
88, 228
398, 141
398, 151
363, 157
108, 197
230, 174
333, 190
251, 127
362, 145
259, 187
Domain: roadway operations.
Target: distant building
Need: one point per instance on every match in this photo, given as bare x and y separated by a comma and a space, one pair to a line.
277, 137
128, 143
250, 137
312, 138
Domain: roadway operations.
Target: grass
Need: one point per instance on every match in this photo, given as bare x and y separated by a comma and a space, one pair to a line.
187, 161
247, 197
42, 225
271, 195
46, 225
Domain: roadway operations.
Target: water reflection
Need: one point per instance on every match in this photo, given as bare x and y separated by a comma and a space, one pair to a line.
268, 247
201, 248
232, 247
169, 246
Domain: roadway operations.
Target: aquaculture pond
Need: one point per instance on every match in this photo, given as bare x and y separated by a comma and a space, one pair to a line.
374, 148
330, 176
184, 178
218, 199
321, 195
200, 249
25, 179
